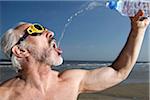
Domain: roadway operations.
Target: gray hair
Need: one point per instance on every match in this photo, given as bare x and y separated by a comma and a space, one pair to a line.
8, 40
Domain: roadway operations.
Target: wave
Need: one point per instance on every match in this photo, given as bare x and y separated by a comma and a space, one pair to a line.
83, 64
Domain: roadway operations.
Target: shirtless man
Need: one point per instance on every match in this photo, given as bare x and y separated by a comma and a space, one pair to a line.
33, 50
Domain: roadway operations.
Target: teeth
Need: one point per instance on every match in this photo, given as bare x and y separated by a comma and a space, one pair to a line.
53, 44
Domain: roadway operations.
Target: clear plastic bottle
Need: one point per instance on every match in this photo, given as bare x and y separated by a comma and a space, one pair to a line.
130, 7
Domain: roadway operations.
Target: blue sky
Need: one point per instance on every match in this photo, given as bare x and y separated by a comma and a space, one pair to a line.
98, 34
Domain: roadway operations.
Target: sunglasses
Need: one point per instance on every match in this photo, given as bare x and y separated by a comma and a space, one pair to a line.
33, 30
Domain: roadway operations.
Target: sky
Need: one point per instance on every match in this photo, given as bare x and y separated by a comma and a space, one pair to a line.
97, 34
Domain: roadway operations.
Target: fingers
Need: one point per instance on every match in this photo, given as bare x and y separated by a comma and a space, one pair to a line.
143, 18
139, 21
138, 16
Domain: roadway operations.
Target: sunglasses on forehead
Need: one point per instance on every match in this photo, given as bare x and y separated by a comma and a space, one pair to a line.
33, 30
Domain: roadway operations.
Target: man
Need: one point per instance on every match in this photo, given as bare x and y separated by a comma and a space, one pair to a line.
33, 50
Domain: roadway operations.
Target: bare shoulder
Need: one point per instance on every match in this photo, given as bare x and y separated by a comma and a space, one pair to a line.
4, 92
73, 73
9, 84
74, 77
8, 87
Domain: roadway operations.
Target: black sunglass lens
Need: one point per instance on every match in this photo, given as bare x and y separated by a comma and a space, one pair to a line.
38, 27
35, 34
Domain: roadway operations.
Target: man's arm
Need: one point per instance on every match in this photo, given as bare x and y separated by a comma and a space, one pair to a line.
102, 78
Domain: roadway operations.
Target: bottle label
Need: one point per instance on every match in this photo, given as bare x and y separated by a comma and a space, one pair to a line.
132, 7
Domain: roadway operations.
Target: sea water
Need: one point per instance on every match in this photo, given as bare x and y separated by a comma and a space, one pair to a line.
139, 74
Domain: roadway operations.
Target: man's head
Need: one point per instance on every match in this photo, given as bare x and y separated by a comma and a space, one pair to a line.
28, 41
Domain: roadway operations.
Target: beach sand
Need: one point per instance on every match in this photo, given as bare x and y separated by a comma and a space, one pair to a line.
130, 91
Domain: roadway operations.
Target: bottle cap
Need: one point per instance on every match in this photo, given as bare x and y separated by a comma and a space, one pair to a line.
112, 4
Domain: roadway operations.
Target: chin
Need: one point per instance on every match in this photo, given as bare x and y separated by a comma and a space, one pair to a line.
57, 62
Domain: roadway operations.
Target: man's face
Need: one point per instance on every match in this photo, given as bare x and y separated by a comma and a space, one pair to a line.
43, 48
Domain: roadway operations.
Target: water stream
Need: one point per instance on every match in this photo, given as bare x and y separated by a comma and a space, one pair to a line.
88, 6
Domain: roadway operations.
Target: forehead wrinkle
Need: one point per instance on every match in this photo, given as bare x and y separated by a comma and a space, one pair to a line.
22, 27
19, 30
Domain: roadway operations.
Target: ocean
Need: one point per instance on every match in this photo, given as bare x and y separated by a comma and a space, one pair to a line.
139, 74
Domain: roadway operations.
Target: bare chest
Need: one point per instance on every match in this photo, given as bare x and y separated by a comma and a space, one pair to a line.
66, 91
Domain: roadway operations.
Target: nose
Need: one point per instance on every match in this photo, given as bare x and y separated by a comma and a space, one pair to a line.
48, 34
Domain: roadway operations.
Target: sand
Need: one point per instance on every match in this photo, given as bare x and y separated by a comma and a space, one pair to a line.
130, 91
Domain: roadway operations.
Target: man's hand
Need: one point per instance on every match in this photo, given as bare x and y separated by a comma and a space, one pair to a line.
139, 22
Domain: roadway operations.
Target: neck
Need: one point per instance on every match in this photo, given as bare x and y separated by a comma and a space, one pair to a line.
36, 73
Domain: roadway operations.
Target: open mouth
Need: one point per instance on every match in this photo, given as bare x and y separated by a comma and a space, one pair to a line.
54, 45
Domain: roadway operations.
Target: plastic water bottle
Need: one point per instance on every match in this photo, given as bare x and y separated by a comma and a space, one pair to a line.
130, 7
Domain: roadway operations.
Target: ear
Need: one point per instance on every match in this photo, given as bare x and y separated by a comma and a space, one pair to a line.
20, 52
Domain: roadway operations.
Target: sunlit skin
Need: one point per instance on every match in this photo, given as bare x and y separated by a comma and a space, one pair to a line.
39, 82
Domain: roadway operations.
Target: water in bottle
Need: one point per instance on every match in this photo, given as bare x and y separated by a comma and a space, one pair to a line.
130, 7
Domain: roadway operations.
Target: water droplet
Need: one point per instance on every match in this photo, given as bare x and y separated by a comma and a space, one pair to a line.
75, 14
90, 6
68, 20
